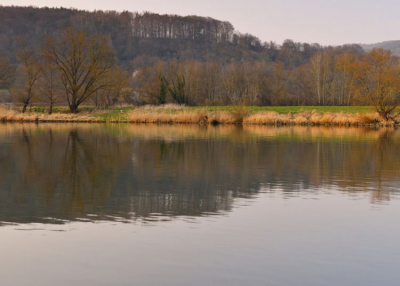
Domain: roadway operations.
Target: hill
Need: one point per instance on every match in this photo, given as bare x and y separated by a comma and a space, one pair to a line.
141, 39
393, 46
137, 37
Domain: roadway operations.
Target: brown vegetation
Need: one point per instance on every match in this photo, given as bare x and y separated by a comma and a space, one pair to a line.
28, 74
379, 78
329, 78
314, 118
241, 115
11, 115
175, 114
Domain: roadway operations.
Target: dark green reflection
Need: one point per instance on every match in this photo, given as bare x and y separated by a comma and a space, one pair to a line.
58, 173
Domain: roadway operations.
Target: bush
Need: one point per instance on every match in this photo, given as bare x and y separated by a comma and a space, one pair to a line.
239, 113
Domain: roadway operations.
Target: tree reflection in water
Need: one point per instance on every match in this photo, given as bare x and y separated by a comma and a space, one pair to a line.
58, 173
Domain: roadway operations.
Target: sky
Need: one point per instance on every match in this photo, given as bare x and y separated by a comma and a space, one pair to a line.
328, 22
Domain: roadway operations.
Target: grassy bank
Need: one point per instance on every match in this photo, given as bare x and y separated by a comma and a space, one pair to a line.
292, 115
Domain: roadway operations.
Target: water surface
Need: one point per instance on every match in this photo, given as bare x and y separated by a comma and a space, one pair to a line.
188, 205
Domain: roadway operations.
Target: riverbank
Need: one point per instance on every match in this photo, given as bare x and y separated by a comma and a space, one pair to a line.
173, 114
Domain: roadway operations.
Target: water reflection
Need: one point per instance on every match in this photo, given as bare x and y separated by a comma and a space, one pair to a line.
59, 173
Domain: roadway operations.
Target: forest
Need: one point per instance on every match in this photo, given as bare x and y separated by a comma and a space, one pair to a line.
147, 58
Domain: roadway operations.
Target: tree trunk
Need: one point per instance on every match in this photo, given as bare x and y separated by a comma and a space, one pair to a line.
73, 108
384, 114
51, 109
24, 107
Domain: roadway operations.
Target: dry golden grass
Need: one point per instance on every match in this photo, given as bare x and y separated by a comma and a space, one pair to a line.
7, 114
178, 114
268, 118
145, 116
221, 117
369, 118
11, 115
314, 118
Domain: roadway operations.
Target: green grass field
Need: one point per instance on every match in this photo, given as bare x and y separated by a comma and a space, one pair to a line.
294, 109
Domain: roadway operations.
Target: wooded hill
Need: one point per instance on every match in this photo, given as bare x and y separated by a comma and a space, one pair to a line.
393, 46
141, 39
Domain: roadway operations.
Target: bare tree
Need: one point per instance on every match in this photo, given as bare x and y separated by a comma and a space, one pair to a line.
233, 82
178, 90
83, 62
192, 73
211, 77
28, 74
278, 82
321, 76
152, 83
50, 85
345, 77
110, 94
379, 82
7, 73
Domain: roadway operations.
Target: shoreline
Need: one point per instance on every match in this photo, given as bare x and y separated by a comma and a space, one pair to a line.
193, 124
171, 114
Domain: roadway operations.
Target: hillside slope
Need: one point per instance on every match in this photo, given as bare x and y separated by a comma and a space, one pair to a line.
141, 39
393, 46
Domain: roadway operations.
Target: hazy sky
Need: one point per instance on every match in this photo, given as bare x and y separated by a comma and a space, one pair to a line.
323, 21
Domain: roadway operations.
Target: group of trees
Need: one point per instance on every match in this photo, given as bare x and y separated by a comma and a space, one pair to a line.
328, 78
70, 56
69, 68
151, 25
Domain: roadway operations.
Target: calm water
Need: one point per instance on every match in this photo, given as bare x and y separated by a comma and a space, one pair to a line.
188, 205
